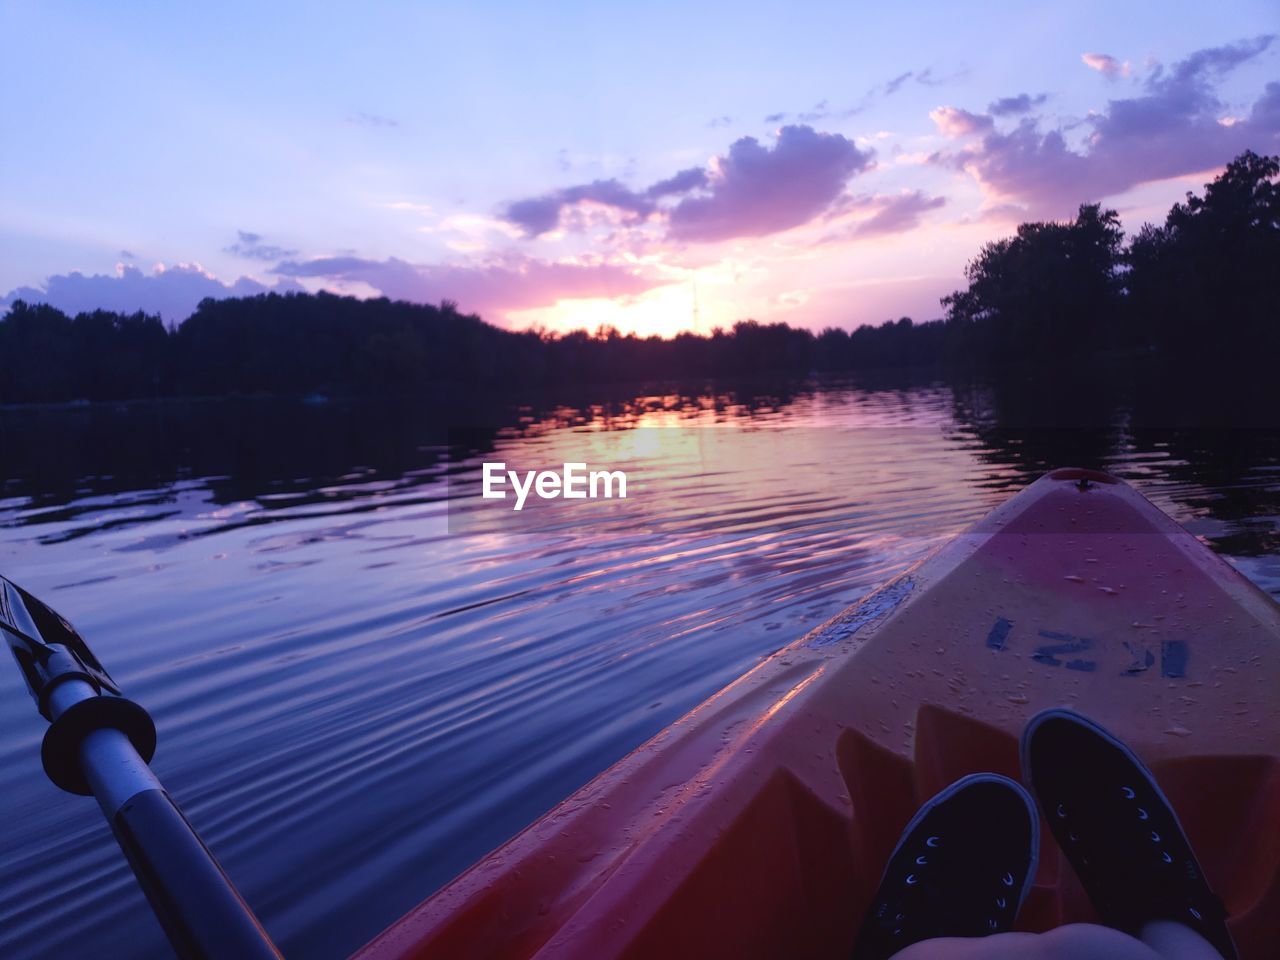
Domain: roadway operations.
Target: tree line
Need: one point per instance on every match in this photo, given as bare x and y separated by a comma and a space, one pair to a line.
1202, 285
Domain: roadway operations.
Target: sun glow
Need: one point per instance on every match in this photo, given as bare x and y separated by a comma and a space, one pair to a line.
664, 311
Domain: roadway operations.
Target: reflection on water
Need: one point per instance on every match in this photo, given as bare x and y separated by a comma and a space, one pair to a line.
356, 702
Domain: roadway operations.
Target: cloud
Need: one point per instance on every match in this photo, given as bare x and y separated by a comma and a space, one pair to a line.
250, 246
888, 214
898, 214
931, 79
754, 191
364, 119
823, 111
894, 85
172, 292
496, 287
539, 215
720, 121
751, 191
1172, 129
1011, 106
1106, 65
955, 123
693, 178
1215, 60
820, 111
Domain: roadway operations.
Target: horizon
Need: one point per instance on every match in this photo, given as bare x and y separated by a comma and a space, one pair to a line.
782, 174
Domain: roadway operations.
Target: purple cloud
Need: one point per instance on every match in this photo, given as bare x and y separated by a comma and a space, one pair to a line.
897, 214
755, 191
931, 79
1217, 60
363, 118
498, 287
539, 215
171, 292
894, 85
1177, 126
250, 246
1011, 106
751, 191
693, 178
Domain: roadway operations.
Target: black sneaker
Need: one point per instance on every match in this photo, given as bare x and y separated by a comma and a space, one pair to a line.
961, 869
1116, 828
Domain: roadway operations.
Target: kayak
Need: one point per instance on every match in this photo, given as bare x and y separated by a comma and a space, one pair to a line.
759, 823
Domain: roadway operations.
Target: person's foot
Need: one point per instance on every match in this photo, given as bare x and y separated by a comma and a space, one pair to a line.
1117, 830
961, 868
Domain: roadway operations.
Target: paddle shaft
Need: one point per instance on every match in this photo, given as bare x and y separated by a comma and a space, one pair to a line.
201, 912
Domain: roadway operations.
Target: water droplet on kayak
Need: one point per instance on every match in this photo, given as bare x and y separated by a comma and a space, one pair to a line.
1178, 731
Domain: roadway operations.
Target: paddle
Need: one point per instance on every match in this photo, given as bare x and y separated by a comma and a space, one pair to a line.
99, 743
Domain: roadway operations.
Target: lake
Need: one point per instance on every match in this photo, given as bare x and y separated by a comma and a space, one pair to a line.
361, 685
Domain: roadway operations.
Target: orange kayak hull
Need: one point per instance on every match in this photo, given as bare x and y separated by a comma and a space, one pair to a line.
758, 824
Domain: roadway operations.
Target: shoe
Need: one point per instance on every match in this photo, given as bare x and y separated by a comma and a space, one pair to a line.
961, 869
1117, 829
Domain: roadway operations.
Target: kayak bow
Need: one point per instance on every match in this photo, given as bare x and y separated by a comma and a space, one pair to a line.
757, 825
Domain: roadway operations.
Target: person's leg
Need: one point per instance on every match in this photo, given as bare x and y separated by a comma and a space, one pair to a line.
1079, 941
1163, 940
1174, 941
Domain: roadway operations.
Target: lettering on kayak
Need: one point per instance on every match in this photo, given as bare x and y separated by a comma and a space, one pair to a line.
1065, 643
999, 633
1173, 659
879, 604
1174, 654
1143, 659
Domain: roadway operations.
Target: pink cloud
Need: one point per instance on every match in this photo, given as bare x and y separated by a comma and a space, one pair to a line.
1106, 65
955, 123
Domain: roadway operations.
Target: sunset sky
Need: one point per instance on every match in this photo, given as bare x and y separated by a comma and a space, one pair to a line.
578, 164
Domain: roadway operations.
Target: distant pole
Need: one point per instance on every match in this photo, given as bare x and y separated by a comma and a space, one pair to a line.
696, 318
99, 743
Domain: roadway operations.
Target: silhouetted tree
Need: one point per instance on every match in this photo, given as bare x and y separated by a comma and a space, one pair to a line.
1205, 282
1052, 290
1208, 280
